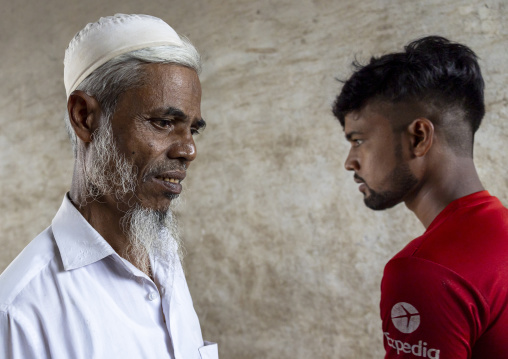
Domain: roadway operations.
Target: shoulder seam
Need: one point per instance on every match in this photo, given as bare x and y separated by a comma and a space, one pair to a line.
412, 257
10, 299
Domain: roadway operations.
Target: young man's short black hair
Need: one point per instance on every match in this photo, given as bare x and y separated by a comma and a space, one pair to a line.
431, 70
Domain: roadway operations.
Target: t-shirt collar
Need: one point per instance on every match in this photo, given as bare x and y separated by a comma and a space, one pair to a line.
452, 206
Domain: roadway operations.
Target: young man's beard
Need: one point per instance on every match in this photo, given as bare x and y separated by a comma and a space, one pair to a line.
150, 232
401, 180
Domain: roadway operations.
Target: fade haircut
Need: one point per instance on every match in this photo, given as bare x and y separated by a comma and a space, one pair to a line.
442, 76
126, 71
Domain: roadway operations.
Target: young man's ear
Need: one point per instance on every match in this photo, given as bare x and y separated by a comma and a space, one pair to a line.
421, 132
84, 114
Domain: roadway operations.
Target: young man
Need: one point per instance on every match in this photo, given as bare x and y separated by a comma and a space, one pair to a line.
105, 279
410, 118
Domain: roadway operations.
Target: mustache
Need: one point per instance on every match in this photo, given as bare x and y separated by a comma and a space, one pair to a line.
161, 168
356, 177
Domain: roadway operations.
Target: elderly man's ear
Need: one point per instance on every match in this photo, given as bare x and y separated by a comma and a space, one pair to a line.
84, 114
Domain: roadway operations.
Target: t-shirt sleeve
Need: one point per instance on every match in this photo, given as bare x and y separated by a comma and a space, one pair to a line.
429, 311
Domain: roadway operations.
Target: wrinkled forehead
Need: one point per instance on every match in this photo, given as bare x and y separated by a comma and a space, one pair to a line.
166, 89
173, 84
161, 75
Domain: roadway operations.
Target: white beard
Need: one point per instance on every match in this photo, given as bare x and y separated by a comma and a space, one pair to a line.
150, 232
100, 177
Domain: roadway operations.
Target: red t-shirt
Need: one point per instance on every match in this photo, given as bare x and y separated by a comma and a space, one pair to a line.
445, 295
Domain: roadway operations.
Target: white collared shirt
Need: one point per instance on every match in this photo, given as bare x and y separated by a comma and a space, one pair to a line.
69, 295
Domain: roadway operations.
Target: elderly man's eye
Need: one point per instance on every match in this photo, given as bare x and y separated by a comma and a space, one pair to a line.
161, 123
199, 126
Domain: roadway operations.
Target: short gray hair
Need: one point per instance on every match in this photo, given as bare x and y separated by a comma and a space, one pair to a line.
125, 71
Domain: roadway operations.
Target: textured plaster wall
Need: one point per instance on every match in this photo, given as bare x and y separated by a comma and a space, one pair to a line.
283, 260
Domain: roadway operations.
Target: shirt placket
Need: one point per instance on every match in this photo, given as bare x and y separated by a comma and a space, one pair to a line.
163, 277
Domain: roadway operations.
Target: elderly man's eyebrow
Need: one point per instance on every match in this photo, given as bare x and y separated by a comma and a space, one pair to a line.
176, 112
201, 124
173, 111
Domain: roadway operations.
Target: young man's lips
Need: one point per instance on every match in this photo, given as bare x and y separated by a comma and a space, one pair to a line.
362, 186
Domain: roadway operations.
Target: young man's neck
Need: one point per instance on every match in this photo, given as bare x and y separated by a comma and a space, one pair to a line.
452, 180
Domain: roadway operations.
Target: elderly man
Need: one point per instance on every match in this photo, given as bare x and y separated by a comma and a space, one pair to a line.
105, 279
410, 118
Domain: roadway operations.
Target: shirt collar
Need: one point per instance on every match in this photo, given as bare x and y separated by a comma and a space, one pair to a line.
78, 242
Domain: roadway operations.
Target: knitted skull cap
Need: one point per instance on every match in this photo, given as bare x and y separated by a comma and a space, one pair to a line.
110, 37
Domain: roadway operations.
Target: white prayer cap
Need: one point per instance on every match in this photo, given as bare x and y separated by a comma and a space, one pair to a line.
110, 37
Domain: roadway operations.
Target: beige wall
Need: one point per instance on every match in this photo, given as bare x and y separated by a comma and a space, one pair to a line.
283, 260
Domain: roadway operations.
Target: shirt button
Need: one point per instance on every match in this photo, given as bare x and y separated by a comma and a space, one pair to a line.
152, 296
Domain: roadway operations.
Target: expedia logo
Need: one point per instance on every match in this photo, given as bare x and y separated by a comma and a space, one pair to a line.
418, 350
405, 317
